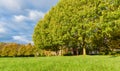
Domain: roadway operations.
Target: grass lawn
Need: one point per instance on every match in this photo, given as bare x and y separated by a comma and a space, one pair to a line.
61, 63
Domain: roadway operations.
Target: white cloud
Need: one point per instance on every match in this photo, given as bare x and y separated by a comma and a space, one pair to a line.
10, 4
33, 15
19, 18
21, 39
2, 30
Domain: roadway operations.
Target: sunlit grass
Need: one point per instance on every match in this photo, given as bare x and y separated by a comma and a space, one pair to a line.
60, 63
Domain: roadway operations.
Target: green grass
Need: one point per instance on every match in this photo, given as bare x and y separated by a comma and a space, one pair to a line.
60, 63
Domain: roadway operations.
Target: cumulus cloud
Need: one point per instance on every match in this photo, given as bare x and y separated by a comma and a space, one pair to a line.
21, 39
19, 18
33, 15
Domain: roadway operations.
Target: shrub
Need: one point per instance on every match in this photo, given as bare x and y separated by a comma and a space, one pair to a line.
68, 54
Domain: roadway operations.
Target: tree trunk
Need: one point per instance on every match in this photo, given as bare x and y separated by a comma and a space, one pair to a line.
61, 48
83, 45
84, 51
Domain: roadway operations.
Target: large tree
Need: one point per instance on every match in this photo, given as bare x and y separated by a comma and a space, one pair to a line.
79, 21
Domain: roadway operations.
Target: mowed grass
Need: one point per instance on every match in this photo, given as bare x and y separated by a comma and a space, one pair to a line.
61, 63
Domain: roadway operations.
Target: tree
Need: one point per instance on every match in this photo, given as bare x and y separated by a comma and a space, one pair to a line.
108, 22
114, 41
12, 49
9, 49
21, 50
29, 51
79, 21
1, 47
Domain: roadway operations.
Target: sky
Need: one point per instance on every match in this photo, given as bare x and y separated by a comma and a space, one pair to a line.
18, 18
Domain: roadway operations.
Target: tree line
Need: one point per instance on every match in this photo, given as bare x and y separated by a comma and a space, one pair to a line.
80, 24
22, 50
17, 50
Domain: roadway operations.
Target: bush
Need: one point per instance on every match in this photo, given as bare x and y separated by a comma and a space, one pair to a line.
102, 53
68, 54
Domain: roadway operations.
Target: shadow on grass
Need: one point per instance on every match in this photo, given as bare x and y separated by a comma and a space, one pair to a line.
113, 56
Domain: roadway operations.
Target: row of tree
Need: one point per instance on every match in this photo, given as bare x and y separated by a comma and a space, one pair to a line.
17, 50
87, 24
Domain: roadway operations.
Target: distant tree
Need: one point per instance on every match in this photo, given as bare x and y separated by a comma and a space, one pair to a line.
9, 49
29, 50
16, 50
21, 50
1, 47
5, 51
12, 49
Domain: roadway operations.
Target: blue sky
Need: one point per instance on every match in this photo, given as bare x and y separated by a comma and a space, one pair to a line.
18, 18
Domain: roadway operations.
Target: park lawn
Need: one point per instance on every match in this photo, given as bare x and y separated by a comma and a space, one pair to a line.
61, 63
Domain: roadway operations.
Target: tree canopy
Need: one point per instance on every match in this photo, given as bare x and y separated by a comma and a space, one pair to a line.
79, 23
